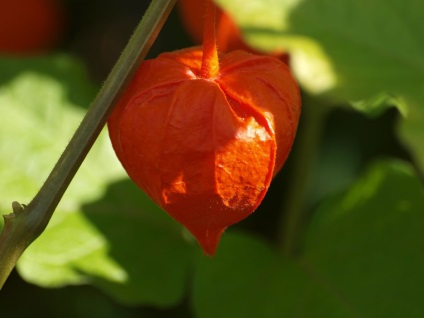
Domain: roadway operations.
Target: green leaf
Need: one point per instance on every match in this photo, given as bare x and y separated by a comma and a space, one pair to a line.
70, 72
369, 53
154, 250
361, 258
123, 243
105, 231
38, 119
411, 130
367, 242
367, 47
377, 105
247, 278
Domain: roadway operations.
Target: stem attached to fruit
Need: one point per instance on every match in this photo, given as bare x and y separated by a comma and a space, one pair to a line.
210, 61
26, 223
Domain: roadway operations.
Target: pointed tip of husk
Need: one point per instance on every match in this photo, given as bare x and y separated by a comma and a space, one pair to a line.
209, 240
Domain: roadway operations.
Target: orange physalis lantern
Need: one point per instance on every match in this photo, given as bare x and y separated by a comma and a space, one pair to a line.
203, 136
31, 26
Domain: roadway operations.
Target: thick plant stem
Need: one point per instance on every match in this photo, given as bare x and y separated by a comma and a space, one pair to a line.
307, 144
210, 61
23, 226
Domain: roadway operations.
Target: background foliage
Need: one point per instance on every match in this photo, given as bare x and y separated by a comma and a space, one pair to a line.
110, 252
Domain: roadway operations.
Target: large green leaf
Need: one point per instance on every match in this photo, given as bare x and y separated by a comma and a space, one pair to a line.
105, 231
367, 243
370, 46
368, 52
154, 250
123, 244
362, 258
247, 278
70, 72
38, 119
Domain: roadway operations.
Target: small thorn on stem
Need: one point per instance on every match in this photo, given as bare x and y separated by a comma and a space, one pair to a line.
17, 207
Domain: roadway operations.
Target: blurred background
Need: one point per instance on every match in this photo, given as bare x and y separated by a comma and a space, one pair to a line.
95, 32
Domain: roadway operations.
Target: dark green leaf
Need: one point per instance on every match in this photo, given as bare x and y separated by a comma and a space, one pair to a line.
153, 252
247, 278
367, 243
362, 258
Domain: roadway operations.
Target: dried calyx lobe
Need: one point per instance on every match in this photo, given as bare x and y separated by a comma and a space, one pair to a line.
206, 149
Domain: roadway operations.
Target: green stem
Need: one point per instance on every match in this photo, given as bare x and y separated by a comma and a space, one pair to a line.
23, 226
306, 146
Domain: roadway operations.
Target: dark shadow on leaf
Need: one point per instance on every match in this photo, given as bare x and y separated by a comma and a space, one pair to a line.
146, 244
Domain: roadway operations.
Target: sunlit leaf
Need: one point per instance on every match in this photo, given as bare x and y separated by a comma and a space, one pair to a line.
123, 243
105, 231
371, 47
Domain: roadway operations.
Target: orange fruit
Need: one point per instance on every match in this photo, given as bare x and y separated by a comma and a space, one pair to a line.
30, 26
